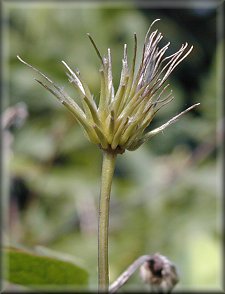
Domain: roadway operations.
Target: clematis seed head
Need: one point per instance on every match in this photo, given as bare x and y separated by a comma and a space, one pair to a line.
119, 120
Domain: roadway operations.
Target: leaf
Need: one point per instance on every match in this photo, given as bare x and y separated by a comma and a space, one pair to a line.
35, 270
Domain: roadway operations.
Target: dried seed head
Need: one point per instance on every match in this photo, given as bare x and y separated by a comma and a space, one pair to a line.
119, 121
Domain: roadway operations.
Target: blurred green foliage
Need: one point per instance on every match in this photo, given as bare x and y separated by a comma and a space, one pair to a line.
166, 195
41, 271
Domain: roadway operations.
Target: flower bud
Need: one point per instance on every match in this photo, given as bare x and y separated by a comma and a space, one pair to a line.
159, 273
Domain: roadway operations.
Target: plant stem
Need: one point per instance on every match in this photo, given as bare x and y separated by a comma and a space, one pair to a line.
108, 166
123, 278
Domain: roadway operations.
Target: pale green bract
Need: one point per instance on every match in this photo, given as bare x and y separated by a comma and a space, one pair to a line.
119, 120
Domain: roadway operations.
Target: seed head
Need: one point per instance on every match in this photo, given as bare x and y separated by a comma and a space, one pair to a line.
120, 118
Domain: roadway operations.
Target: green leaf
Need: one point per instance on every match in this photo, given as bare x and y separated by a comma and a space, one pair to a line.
38, 271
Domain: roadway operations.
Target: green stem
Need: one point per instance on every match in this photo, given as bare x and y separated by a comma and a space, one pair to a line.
108, 166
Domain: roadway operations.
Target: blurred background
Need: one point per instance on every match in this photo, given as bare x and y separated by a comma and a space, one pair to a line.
166, 196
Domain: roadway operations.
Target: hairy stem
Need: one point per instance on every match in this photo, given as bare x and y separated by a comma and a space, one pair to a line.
108, 166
